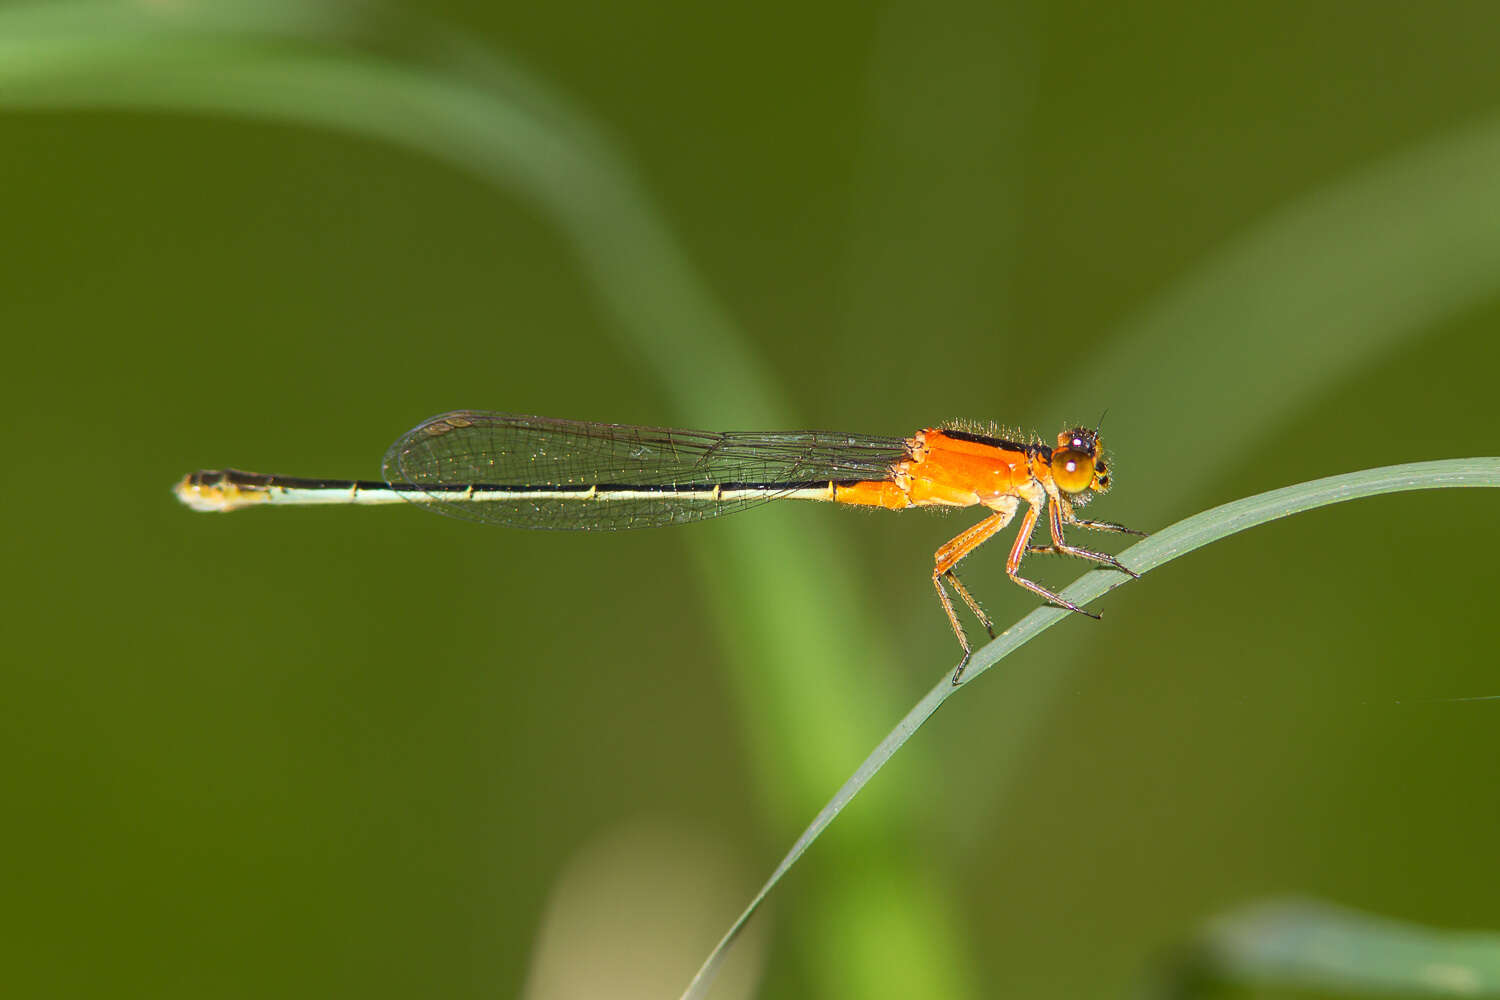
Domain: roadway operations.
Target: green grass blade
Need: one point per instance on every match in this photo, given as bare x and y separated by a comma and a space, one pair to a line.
1161, 548
1307, 945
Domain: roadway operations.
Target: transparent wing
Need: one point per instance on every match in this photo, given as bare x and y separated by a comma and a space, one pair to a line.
538, 457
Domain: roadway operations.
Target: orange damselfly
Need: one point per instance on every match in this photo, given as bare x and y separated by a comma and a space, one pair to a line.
540, 472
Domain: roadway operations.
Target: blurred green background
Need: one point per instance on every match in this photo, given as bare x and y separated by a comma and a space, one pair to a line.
373, 752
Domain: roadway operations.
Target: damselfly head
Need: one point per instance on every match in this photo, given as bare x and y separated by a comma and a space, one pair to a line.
1078, 462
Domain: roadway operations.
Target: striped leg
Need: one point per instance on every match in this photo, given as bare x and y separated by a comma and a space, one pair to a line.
948, 557
1018, 551
1057, 516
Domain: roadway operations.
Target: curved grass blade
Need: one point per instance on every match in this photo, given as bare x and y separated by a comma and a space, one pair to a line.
1161, 548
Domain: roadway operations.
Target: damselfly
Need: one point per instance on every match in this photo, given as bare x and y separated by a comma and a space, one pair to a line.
539, 472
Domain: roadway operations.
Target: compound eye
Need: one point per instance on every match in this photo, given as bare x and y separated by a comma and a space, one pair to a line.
1073, 471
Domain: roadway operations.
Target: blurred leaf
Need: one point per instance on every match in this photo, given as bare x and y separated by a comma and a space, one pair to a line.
297, 62
1296, 944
